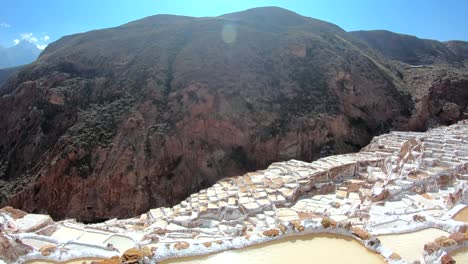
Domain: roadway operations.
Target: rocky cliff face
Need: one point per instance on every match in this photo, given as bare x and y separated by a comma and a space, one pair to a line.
435, 73
112, 122
7, 73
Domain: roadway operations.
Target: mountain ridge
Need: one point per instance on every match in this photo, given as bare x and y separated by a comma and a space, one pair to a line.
410, 49
22, 53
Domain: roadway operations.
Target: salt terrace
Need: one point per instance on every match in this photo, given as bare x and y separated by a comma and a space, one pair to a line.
401, 182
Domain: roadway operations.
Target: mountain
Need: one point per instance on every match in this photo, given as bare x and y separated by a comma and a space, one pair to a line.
112, 122
20, 54
413, 50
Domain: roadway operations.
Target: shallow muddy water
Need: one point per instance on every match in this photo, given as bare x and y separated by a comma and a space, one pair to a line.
316, 248
410, 246
73, 261
460, 255
462, 216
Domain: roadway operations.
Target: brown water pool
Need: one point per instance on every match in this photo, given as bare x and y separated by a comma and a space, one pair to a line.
73, 261
462, 215
410, 246
316, 248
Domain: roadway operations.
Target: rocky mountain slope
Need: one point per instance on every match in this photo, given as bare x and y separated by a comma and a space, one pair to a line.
410, 49
435, 72
20, 54
7, 73
112, 122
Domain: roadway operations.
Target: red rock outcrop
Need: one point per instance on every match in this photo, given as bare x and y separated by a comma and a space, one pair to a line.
181, 245
13, 212
46, 250
361, 233
132, 255
458, 237
431, 247
271, 232
444, 241
447, 259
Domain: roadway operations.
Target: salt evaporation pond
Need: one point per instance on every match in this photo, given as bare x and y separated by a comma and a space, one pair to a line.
316, 248
410, 246
73, 261
460, 255
36, 243
462, 216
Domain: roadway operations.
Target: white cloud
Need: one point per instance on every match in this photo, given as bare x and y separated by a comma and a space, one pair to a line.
29, 37
41, 47
5, 25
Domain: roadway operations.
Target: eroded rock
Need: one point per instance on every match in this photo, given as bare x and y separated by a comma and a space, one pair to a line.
181, 245
297, 226
14, 213
207, 244
147, 251
271, 232
419, 218
282, 228
394, 256
361, 233
459, 238
444, 241
328, 222
447, 259
132, 256
431, 247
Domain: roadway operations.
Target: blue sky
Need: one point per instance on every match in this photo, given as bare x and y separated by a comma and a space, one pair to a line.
44, 21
